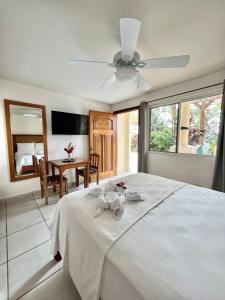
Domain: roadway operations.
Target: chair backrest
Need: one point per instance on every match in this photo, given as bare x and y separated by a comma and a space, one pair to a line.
42, 171
35, 164
95, 160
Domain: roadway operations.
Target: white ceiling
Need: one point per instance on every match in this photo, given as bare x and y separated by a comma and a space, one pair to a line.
38, 37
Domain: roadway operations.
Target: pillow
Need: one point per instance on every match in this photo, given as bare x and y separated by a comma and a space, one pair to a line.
39, 148
25, 148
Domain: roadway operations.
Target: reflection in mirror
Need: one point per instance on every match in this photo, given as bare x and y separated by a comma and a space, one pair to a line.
27, 131
23, 157
26, 120
27, 137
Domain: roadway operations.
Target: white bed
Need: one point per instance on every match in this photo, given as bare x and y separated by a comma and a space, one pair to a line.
170, 246
22, 159
23, 156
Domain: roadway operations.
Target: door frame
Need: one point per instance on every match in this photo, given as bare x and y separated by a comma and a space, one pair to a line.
121, 111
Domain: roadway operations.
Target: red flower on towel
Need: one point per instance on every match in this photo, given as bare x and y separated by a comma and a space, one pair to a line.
122, 184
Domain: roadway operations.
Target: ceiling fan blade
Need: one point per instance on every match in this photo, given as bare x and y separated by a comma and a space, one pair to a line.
142, 83
167, 62
81, 61
108, 82
129, 32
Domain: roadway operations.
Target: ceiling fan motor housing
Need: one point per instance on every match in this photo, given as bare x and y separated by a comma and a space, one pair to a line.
126, 68
120, 62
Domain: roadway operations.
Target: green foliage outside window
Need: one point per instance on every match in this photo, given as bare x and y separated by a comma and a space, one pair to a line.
163, 128
162, 140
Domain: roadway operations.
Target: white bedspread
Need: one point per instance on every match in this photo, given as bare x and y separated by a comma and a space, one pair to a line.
84, 241
176, 252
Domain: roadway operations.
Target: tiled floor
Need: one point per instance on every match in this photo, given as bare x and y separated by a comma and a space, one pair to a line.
27, 269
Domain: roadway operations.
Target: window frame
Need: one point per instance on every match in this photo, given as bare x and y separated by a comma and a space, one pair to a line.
189, 97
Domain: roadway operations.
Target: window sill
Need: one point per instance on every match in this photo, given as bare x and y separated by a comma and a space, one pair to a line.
181, 154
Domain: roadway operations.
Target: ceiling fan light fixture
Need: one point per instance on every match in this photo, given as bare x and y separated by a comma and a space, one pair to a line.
126, 74
141, 64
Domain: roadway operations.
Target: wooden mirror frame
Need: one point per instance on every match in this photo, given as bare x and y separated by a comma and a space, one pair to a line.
43, 136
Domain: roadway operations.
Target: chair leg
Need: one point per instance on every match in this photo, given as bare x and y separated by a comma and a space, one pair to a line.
66, 187
97, 178
46, 195
54, 188
42, 191
77, 179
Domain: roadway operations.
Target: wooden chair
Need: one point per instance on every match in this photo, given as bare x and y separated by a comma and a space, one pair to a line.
47, 181
93, 169
35, 165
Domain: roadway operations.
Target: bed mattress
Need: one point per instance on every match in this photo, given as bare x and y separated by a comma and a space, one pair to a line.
175, 251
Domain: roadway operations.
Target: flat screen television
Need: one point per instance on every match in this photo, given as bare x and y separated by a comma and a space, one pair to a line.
67, 123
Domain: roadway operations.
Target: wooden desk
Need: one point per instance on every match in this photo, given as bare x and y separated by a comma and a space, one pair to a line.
62, 166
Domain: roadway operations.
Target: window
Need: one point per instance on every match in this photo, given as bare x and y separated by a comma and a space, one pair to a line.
197, 122
164, 128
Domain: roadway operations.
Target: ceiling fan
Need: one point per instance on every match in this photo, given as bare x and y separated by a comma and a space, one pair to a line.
127, 62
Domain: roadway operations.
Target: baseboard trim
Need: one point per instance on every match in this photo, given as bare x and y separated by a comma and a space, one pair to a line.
27, 196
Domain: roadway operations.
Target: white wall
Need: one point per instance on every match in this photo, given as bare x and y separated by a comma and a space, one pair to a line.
53, 101
192, 169
196, 83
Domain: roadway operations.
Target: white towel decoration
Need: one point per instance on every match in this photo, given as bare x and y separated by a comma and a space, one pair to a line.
117, 208
112, 201
134, 196
111, 186
112, 197
96, 192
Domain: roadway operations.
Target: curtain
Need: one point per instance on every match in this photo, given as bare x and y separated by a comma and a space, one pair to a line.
219, 171
143, 137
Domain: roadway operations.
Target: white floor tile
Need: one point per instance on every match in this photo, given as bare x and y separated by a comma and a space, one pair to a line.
59, 286
19, 199
37, 195
3, 252
48, 210
75, 189
2, 222
22, 215
48, 222
29, 269
27, 239
3, 282
2, 203
52, 199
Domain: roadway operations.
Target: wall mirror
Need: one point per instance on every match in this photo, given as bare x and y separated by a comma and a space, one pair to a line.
27, 137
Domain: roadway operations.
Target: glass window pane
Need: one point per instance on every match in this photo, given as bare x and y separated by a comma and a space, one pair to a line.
163, 128
199, 125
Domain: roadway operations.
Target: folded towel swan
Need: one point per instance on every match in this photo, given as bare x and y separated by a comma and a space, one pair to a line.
112, 197
112, 201
134, 196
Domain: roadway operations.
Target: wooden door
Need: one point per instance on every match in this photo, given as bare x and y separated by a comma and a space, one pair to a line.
102, 127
